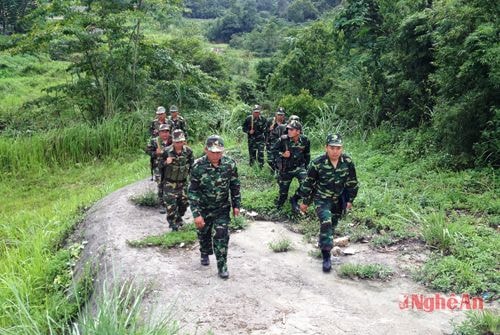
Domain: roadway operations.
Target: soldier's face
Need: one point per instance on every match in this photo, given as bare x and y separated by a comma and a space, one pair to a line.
213, 157
333, 152
280, 118
174, 115
164, 135
178, 145
161, 117
292, 132
256, 114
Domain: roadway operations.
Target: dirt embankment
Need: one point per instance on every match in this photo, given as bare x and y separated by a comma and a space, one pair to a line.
267, 293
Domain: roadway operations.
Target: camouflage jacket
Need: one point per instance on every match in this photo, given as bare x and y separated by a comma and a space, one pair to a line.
210, 186
274, 130
153, 145
155, 126
325, 181
178, 123
179, 169
259, 127
300, 152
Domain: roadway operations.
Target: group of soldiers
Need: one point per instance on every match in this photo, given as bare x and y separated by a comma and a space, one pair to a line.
329, 181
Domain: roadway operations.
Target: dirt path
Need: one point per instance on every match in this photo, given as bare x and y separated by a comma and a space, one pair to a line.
267, 293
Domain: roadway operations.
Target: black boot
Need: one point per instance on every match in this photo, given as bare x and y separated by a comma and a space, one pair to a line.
204, 260
295, 205
327, 261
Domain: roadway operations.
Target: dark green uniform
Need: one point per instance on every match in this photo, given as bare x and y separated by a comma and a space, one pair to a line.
175, 177
155, 127
257, 140
324, 185
212, 193
274, 132
294, 166
156, 164
178, 123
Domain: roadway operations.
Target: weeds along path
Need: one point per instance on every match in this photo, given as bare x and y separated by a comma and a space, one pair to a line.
267, 293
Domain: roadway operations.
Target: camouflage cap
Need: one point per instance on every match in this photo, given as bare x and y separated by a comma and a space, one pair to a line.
160, 110
215, 143
173, 108
164, 127
280, 111
335, 140
256, 108
294, 124
178, 136
294, 117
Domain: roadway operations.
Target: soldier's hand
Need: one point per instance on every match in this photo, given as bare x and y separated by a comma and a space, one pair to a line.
251, 131
348, 206
158, 151
236, 212
286, 154
199, 222
169, 160
303, 208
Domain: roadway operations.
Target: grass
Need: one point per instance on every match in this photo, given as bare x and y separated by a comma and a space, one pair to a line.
38, 210
479, 323
365, 271
280, 245
148, 199
186, 235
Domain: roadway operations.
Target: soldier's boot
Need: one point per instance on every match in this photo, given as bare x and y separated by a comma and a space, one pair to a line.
327, 261
179, 223
279, 202
163, 209
223, 273
205, 261
295, 204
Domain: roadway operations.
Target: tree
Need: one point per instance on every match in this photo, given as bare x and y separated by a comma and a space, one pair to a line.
301, 11
13, 13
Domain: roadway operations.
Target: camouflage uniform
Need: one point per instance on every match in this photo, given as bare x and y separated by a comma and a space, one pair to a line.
156, 123
257, 140
156, 160
274, 131
324, 185
212, 192
174, 180
294, 166
178, 123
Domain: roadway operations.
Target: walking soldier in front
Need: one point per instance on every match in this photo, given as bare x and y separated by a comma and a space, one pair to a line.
213, 190
155, 150
293, 153
276, 127
177, 160
329, 177
255, 127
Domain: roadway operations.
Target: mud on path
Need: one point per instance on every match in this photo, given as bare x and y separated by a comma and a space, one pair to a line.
267, 292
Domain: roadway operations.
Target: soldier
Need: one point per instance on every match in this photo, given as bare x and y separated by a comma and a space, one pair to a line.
176, 121
155, 150
276, 127
329, 176
158, 121
177, 160
255, 127
214, 189
292, 156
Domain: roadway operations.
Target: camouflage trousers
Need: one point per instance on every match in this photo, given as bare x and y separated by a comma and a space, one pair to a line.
284, 181
214, 236
176, 202
256, 150
157, 178
328, 211
270, 155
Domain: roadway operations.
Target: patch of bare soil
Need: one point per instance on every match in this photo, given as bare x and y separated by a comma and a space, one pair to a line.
267, 292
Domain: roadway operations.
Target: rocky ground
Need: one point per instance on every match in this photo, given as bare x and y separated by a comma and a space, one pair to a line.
267, 292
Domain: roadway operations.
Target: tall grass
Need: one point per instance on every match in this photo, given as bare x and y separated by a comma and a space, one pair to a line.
66, 147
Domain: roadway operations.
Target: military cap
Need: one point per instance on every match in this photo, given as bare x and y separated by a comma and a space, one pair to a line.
160, 110
178, 136
335, 140
280, 111
294, 124
173, 108
294, 117
164, 127
256, 108
215, 143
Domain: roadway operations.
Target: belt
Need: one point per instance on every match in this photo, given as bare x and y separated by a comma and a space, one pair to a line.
175, 181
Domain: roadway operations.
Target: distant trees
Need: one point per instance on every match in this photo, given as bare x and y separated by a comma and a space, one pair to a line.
13, 13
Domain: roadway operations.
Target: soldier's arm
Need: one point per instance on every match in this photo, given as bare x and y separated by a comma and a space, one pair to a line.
352, 182
234, 187
246, 125
307, 152
190, 159
308, 187
151, 148
194, 192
